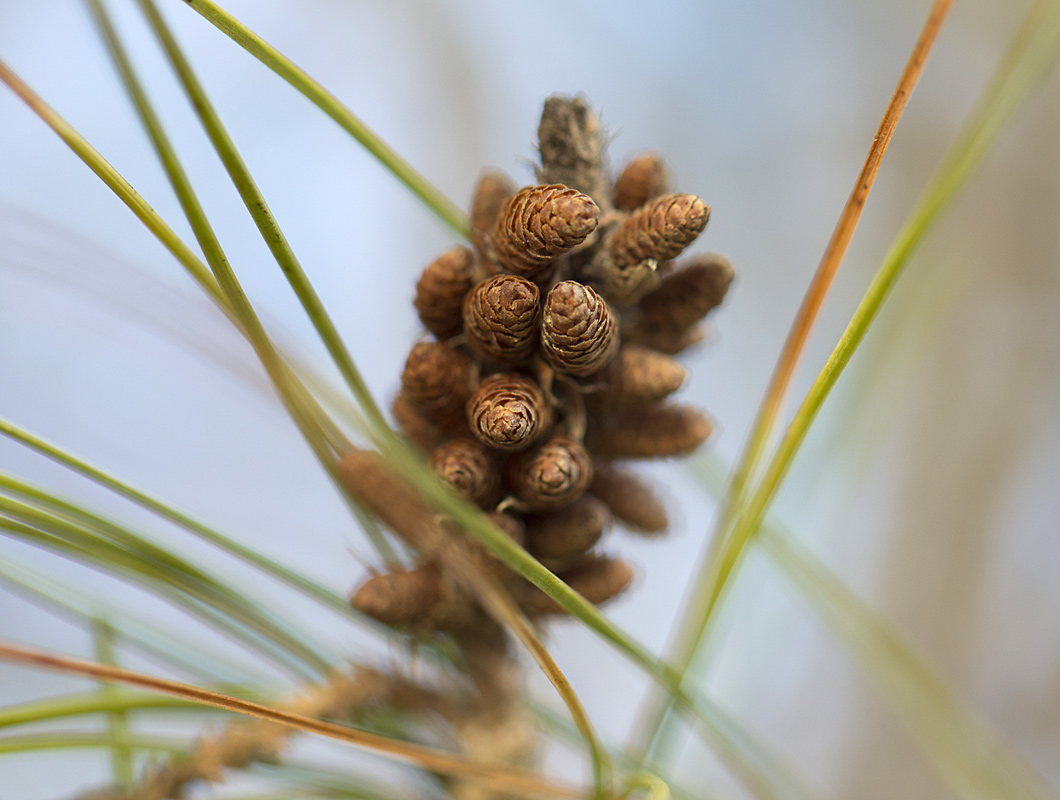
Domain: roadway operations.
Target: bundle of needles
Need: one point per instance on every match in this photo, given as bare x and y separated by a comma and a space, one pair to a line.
550, 364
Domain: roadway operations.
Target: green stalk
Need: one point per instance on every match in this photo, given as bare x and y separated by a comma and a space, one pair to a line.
81, 741
974, 760
132, 632
115, 549
294, 396
1032, 52
96, 702
259, 210
295, 580
121, 755
446, 210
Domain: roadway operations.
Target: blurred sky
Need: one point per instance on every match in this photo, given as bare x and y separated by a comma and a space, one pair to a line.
930, 482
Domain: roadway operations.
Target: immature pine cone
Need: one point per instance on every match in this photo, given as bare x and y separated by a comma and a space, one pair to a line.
487, 198
660, 431
641, 376
642, 179
539, 224
550, 475
440, 292
436, 382
660, 229
597, 580
501, 318
568, 531
578, 332
508, 412
467, 467
687, 294
630, 499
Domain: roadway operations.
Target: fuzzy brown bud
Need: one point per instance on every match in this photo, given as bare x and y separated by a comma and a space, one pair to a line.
419, 599
508, 412
436, 382
641, 376
366, 476
660, 229
631, 500
539, 224
664, 340
643, 178
570, 531
468, 468
502, 316
487, 198
687, 294
399, 598
655, 432
440, 292
625, 286
550, 475
598, 580
573, 147
420, 431
578, 331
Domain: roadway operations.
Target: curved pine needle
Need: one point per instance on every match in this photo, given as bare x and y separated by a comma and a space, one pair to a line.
817, 291
426, 757
259, 210
971, 758
1035, 48
295, 580
446, 210
88, 740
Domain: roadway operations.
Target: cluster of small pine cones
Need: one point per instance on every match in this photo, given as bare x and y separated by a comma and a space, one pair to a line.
551, 363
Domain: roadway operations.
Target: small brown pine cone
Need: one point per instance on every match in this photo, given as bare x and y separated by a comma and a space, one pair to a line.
419, 599
573, 147
468, 468
570, 531
441, 289
550, 475
366, 476
436, 382
579, 335
539, 224
598, 580
665, 341
501, 317
508, 412
687, 294
515, 530
487, 198
660, 229
631, 500
626, 286
655, 432
513, 527
420, 431
399, 598
643, 178
641, 376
